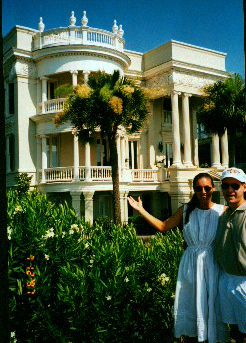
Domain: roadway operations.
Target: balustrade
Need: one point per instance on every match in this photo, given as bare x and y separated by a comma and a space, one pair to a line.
77, 35
52, 106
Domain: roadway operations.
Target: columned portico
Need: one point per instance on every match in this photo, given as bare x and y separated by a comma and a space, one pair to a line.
175, 129
74, 77
44, 91
215, 151
186, 129
76, 202
224, 150
88, 196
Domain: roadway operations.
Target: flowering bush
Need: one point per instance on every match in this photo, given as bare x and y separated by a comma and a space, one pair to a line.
73, 282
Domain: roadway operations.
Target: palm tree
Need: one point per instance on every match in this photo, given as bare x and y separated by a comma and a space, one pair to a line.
106, 102
223, 108
4, 293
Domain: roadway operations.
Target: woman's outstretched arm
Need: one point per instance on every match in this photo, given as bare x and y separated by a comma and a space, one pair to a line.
170, 223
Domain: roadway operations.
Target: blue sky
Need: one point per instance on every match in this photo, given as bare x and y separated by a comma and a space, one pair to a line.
213, 24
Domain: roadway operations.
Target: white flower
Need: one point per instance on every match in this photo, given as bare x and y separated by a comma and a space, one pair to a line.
91, 261
18, 209
163, 278
149, 289
9, 231
71, 232
108, 297
12, 334
87, 245
49, 233
46, 257
173, 296
126, 279
74, 227
63, 234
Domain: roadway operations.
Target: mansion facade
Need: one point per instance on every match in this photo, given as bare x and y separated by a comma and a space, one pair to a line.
157, 163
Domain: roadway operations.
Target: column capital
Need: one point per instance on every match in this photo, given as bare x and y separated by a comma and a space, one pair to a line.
174, 92
75, 194
75, 72
42, 136
86, 72
186, 95
44, 78
88, 195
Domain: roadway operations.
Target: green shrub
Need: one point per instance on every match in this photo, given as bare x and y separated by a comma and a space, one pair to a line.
92, 283
23, 183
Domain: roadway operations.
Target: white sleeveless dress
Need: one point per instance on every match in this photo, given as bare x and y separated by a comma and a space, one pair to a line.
197, 283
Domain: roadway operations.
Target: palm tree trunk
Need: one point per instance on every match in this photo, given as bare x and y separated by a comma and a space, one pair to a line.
115, 178
4, 293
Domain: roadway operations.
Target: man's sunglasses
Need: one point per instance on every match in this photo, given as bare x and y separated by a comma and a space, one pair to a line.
200, 188
234, 186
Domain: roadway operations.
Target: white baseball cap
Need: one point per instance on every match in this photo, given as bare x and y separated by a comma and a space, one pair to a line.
235, 173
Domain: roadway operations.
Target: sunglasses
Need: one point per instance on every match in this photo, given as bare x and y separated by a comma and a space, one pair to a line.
200, 188
234, 186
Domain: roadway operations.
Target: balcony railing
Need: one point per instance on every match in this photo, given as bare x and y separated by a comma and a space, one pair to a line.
77, 35
145, 175
102, 173
52, 106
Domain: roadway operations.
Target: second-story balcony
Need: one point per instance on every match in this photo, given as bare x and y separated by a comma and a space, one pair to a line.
51, 106
100, 173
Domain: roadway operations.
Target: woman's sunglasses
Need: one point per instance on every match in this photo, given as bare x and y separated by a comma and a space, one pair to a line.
200, 188
234, 186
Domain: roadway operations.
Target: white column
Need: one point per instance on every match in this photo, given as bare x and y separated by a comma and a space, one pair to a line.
119, 152
87, 161
88, 196
127, 152
44, 91
76, 156
215, 151
151, 137
186, 129
7, 155
86, 75
74, 77
123, 153
76, 202
195, 138
175, 129
44, 157
132, 153
124, 206
224, 150
39, 158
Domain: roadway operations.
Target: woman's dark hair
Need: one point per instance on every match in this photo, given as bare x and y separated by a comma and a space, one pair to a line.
193, 203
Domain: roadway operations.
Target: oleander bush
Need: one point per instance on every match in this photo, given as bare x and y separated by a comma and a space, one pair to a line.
73, 282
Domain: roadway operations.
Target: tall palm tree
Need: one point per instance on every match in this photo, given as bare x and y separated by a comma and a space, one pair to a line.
223, 108
106, 102
4, 298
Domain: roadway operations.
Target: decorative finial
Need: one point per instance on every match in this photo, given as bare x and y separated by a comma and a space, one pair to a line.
120, 32
72, 19
84, 19
41, 25
115, 27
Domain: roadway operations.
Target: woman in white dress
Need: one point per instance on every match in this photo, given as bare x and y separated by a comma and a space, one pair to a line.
194, 307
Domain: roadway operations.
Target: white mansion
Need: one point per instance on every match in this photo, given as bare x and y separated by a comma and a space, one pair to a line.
157, 163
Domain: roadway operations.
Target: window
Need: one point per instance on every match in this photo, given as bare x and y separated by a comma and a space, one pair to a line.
11, 99
104, 205
102, 153
167, 111
10, 153
169, 154
52, 151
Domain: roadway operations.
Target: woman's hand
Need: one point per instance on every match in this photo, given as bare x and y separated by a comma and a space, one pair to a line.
135, 204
